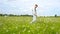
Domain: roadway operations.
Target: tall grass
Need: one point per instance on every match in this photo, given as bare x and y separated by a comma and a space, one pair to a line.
22, 25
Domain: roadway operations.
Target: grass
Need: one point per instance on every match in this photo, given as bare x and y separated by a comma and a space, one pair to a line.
21, 25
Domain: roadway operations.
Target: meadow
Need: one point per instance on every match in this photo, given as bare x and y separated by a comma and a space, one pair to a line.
22, 25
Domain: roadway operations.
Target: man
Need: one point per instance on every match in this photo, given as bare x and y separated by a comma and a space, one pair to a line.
34, 13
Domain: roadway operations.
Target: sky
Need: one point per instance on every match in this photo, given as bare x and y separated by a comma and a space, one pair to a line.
23, 7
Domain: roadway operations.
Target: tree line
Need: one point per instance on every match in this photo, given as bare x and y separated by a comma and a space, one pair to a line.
13, 15
21, 15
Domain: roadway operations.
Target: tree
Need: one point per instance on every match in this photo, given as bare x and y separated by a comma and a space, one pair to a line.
55, 15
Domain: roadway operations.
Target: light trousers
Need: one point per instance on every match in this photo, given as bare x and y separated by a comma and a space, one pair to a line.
34, 18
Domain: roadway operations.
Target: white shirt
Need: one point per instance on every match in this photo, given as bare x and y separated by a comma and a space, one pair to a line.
33, 11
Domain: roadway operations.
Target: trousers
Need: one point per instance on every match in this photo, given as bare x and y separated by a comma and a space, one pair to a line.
34, 18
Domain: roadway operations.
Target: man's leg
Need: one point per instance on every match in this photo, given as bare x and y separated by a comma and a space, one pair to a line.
34, 19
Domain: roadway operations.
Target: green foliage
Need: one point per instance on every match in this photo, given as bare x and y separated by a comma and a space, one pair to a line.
22, 25
14, 15
55, 15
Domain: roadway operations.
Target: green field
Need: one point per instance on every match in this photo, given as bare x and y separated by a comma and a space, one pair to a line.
22, 25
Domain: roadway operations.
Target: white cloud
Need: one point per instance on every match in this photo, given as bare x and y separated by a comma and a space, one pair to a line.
26, 5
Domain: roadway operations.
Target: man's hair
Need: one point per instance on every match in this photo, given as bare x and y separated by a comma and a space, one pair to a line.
36, 5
